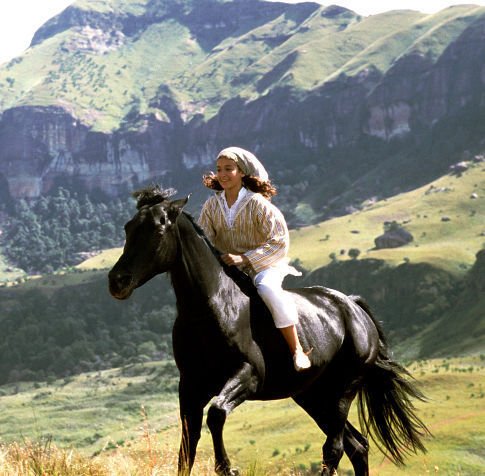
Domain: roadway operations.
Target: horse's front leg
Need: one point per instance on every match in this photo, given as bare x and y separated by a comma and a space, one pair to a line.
191, 414
236, 390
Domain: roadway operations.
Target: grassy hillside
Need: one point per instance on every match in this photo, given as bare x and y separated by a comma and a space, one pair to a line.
450, 245
103, 412
411, 34
461, 329
7, 272
91, 411
106, 259
101, 76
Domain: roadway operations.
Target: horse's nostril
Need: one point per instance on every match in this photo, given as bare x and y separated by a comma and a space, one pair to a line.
119, 281
120, 285
123, 280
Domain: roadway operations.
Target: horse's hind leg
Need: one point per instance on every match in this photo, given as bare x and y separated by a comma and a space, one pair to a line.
236, 390
333, 448
356, 448
330, 414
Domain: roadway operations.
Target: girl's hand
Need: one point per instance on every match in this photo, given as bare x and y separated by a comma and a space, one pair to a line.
234, 260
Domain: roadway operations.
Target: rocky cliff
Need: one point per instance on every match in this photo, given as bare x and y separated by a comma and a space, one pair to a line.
43, 144
340, 107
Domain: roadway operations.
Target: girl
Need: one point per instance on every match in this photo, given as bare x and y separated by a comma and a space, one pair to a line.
252, 234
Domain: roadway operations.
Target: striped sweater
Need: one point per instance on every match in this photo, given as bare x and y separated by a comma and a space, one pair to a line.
259, 230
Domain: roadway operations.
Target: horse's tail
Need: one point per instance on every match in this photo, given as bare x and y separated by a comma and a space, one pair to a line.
386, 411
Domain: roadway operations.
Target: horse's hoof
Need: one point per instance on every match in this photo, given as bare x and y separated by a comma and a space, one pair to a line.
232, 472
227, 472
326, 471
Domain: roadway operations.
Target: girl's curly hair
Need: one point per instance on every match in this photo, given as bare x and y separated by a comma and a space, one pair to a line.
255, 184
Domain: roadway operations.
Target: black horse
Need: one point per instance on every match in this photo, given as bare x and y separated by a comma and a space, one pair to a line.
226, 346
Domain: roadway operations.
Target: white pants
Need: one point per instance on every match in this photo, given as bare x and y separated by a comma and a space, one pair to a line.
283, 309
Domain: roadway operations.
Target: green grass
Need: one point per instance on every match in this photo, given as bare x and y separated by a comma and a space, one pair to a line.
51, 282
133, 7
106, 259
450, 245
8, 272
99, 89
405, 32
103, 410
91, 411
442, 27
375, 41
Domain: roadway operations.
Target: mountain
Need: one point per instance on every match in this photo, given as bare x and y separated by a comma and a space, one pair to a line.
340, 107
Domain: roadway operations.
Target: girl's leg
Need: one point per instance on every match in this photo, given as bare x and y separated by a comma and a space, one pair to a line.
291, 337
300, 359
283, 310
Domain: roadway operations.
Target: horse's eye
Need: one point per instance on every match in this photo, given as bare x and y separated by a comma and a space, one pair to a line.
161, 225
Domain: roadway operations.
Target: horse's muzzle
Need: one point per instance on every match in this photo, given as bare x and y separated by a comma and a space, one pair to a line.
120, 285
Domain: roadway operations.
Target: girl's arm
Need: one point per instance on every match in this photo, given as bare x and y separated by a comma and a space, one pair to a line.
275, 237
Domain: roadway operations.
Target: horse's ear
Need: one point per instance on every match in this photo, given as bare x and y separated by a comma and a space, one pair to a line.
180, 204
176, 208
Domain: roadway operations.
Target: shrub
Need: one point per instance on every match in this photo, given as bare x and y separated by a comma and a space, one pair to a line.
354, 253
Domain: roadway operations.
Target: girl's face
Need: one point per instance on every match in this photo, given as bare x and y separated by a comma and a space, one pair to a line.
229, 174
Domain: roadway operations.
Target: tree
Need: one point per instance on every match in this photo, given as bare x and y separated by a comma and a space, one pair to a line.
47, 234
354, 253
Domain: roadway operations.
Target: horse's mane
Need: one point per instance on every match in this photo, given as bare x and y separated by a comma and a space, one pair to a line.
202, 234
152, 195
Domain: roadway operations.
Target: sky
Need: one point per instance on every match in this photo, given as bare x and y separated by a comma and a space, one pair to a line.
19, 19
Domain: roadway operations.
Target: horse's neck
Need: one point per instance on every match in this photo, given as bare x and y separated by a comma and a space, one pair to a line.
197, 276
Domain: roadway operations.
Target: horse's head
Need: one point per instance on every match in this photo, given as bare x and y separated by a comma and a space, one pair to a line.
150, 245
